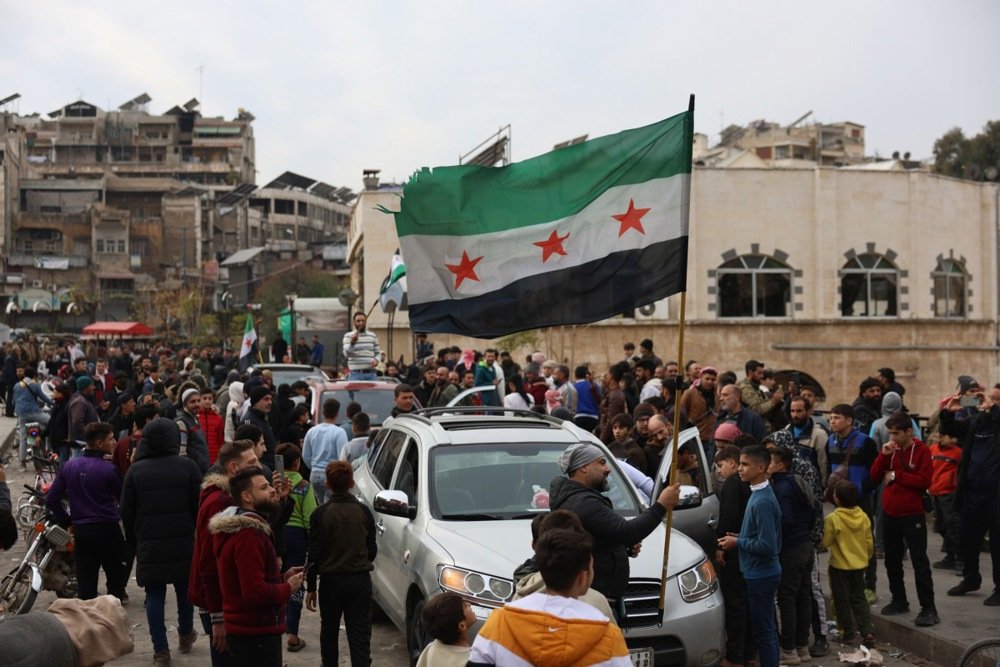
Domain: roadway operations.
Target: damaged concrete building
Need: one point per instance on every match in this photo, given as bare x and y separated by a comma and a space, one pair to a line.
105, 208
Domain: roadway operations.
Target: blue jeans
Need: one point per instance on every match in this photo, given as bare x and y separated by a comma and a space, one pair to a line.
318, 481
156, 599
367, 374
760, 609
296, 544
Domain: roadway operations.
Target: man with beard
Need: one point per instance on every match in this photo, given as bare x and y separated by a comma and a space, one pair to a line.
254, 591
698, 403
868, 405
731, 410
809, 436
443, 390
585, 478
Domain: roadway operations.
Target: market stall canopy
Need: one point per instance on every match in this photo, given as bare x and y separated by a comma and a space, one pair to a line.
123, 329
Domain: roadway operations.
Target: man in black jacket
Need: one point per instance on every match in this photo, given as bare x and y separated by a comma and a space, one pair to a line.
159, 507
261, 403
977, 497
586, 471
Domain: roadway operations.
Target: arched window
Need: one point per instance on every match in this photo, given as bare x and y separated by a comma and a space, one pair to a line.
949, 288
754, 286
869, 287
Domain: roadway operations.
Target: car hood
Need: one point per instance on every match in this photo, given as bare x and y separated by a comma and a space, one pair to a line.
490, 547
498, 547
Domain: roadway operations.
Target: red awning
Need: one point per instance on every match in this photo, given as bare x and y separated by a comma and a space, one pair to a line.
117, 329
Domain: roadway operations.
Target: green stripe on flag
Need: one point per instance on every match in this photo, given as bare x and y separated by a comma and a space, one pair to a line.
470, 200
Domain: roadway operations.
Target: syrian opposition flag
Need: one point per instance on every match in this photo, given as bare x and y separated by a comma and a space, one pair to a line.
392, 294
573, 236
249, 345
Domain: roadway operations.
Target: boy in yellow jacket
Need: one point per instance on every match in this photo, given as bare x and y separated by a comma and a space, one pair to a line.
847, 532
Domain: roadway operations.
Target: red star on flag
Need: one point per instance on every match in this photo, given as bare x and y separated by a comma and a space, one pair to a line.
631, 219
552, 245
465, 269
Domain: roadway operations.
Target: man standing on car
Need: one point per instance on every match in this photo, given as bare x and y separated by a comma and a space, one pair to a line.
362, 350
580, 490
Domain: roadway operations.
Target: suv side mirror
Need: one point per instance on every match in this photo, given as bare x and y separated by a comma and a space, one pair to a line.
690, 497
395, 503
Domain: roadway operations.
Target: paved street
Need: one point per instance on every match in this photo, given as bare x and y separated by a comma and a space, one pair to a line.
964, 620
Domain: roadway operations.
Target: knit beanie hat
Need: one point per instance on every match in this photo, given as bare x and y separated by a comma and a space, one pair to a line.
578, 455
83, 382
258, 393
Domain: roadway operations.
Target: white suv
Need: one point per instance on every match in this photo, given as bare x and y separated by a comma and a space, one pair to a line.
454, 493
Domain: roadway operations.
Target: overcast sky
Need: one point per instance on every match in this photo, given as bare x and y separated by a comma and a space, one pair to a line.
338, 87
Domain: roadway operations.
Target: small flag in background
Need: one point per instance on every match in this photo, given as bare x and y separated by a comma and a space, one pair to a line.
570, 237
249, 348
392, 294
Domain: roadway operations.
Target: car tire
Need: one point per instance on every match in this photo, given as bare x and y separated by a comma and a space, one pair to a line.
416, 635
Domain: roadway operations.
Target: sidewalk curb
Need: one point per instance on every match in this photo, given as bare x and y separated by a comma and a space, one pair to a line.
923, 642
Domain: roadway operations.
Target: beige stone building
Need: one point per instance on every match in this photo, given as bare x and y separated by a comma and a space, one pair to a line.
835, 272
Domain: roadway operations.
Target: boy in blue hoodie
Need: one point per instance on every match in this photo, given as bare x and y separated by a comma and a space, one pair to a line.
759, 543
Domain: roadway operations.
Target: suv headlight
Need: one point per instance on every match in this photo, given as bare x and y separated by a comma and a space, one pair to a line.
484, 587
699, 582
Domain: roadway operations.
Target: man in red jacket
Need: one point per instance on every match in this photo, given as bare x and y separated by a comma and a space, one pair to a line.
254, 591
904, 465
203, 583
212, 424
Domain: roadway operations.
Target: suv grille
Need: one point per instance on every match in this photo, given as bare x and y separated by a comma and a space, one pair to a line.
642, 603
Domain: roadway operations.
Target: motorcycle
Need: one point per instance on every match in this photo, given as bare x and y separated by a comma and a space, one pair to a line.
31, 505
47, 565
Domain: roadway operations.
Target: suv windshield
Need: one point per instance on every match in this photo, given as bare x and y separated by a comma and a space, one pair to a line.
504, 481
376, 403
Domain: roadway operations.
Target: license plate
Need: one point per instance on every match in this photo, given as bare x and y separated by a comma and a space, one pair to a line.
641, 657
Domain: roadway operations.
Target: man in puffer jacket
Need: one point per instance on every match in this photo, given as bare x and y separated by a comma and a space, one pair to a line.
254, 591
159, 506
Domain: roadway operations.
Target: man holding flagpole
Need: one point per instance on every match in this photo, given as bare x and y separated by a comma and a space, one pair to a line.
249, 345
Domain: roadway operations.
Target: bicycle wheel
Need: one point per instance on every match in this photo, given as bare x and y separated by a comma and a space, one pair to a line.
984, 653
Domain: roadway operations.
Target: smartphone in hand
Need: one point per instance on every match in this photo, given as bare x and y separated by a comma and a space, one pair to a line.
279, 464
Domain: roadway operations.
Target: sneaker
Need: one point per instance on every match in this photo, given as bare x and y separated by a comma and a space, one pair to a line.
993, 600
964, 586
927, 617
820, 647
161, 657
895, 607
803, 652
184, 646
789, 657
946, 563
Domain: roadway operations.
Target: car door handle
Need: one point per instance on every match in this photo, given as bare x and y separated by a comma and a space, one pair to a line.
713, 520
380, 527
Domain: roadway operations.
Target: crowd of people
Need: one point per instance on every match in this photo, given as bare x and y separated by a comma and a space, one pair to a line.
178, 467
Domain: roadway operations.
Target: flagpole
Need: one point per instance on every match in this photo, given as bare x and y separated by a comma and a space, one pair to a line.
677, 403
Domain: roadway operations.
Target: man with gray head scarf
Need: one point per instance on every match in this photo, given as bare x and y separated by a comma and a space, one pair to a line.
580, 490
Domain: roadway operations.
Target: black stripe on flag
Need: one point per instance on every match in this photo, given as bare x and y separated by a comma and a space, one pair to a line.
582, 294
